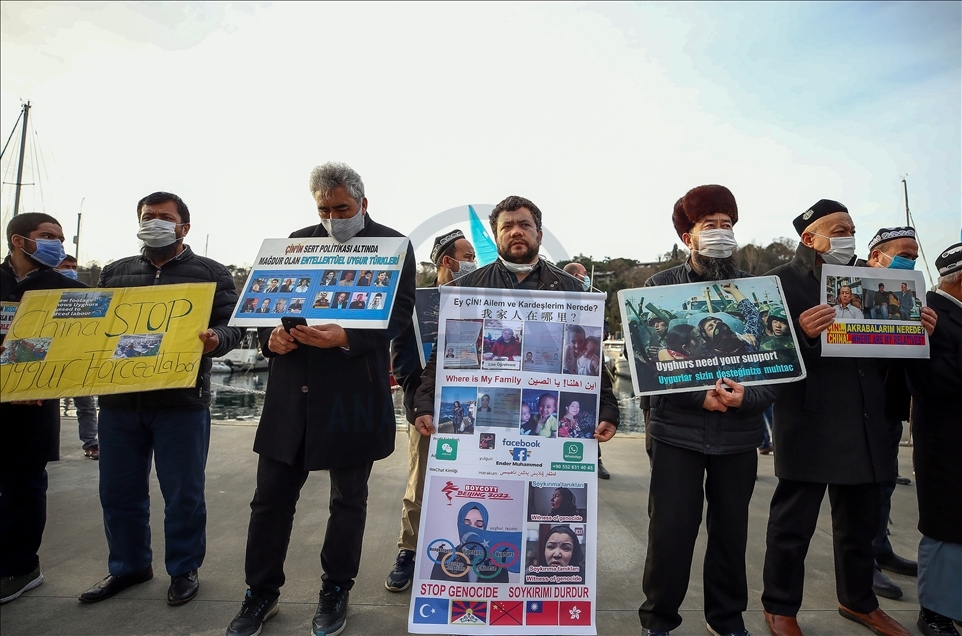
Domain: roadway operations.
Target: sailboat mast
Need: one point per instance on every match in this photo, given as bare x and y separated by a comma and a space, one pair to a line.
23, 147
905, 188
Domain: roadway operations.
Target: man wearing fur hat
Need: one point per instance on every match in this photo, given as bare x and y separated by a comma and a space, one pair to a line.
698, 432
826, 443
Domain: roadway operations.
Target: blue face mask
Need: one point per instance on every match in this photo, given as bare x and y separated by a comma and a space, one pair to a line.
586, 283
900, 262
69, 273
49, 251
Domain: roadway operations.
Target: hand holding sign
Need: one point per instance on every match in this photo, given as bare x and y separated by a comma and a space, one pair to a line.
425, 425
210, 340
817, 319
929, 318
605, 431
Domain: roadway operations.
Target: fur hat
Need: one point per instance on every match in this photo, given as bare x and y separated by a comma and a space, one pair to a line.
700, 202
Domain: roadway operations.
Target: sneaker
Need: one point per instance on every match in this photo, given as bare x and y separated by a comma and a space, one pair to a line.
403, 573
252, 615
740, 632
331, 616
11, 587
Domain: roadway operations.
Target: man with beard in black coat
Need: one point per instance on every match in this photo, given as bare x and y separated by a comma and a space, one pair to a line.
31, 429
703, 442
516, 224
824, 442
935, 385
328, 407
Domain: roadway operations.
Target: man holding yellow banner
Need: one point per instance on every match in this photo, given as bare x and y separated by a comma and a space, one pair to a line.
173, 425
31, 429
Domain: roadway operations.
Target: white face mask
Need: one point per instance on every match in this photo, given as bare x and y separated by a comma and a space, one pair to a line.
464, 268
343, 230
717, 243
518, 268
841, 249
157, 232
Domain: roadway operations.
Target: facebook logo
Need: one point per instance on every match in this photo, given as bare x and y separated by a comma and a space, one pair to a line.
519, 454
432, 611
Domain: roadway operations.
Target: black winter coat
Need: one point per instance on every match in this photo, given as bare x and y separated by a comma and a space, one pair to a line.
829, 428
327, 408
187, 267
680, 419
936, 385
31, 432
496, 276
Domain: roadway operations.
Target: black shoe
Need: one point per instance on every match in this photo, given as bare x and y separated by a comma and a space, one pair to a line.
602, 471
331, 616
934, 624
902, 481
883, 586
894, 563
114, 585
403, 573
254, 611
182, 588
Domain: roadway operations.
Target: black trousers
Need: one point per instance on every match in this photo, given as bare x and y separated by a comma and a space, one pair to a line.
681, 480
881, 544
791, 524
272, 517
23, 516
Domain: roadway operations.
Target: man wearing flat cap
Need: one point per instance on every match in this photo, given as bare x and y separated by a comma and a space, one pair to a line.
454, 257
826, 443
894, 248
937, 432
699, 433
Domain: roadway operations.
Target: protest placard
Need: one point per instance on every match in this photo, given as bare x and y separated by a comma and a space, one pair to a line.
508, 533
426, 307
684, 337
877, 312
352, 284
65, 343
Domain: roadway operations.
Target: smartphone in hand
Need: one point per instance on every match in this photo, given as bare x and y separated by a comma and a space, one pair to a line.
290, 322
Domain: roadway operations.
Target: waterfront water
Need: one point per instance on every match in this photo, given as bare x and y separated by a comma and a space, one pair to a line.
240, 396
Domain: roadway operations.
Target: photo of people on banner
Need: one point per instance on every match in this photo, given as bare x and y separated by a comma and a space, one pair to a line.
688, 336
878, 312
471, 550
293, 278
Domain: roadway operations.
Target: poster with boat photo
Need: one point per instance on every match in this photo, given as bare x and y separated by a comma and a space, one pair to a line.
688, 336
352, 284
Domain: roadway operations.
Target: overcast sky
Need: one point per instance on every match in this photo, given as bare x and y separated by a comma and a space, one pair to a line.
602, 114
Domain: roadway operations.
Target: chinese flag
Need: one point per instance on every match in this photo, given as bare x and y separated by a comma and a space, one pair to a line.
575, 613
506, 613
541, 613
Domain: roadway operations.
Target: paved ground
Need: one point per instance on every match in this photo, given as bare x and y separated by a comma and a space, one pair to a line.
73, 555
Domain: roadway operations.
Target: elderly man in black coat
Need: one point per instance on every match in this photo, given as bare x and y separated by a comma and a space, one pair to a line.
830, 431
328, 407
935, 385
703, 447
31, 429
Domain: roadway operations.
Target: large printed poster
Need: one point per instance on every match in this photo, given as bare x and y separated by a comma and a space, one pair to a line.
508, 532
65, 343
878, 312
323, 281
688, 336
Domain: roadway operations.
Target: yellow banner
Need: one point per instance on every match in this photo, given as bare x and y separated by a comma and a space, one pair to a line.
69, 342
